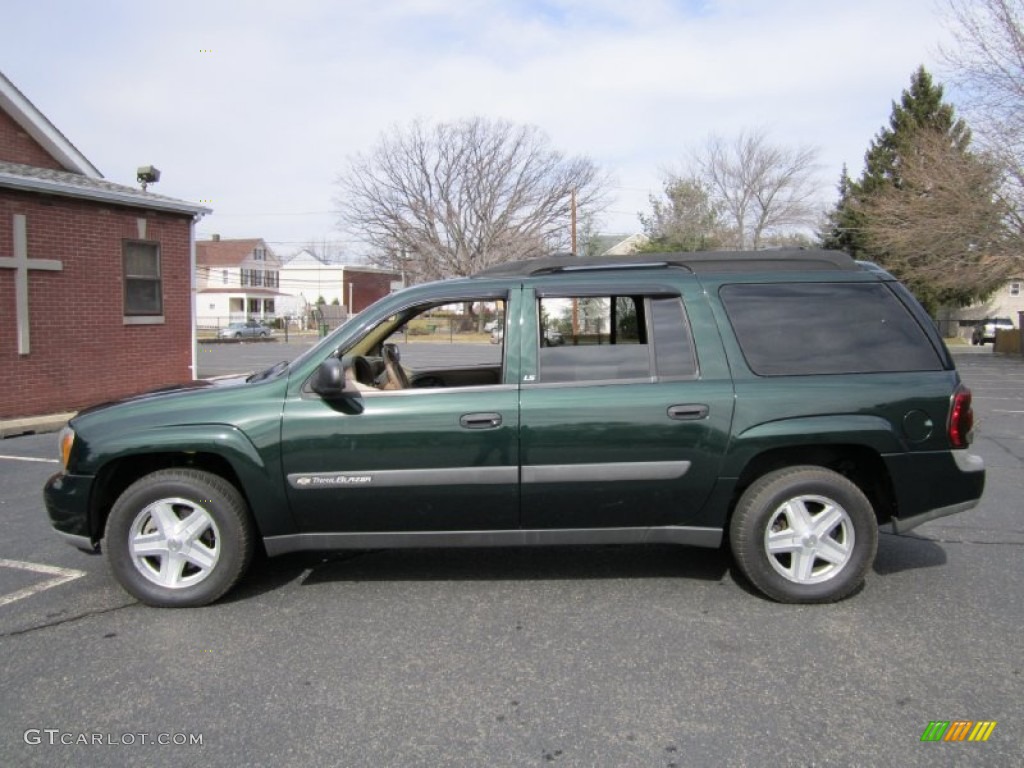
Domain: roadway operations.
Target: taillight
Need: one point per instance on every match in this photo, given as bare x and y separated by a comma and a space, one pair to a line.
961, 418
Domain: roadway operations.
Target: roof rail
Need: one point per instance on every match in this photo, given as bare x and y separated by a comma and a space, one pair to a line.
706, 262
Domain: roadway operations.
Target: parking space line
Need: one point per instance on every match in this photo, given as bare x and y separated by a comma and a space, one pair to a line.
61, 576
29, 458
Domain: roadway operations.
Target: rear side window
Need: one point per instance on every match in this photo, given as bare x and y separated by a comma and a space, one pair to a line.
609, 338
818, 328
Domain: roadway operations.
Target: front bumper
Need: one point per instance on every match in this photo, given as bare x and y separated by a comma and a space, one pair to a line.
67, 502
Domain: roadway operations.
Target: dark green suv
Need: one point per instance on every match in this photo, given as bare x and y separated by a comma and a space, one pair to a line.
786, 402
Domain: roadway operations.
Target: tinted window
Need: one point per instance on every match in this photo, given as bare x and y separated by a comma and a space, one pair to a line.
812, 328
672, 339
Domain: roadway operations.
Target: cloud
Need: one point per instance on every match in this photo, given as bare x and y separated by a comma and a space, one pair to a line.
263, 123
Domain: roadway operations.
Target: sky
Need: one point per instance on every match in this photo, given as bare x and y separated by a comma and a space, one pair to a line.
253, 107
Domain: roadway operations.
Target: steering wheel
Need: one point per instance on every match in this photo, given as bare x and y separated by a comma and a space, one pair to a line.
397, 379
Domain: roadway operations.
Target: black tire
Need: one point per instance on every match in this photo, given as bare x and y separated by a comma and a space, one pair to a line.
824, 535
238, 335
190, 566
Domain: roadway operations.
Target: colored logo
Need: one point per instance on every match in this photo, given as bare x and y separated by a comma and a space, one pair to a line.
958, 730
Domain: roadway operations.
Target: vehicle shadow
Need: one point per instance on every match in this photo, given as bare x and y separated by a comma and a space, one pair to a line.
484, 564
655, 561
898, 553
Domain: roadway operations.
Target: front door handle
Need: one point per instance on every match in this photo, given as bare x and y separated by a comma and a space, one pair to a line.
480, 420
688, 412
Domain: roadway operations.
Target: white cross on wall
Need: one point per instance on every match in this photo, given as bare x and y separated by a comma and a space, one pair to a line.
21, 264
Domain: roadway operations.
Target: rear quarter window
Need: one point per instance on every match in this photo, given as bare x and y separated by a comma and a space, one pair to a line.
796, 329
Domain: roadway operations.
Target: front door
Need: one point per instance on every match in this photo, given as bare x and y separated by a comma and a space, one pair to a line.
426, 456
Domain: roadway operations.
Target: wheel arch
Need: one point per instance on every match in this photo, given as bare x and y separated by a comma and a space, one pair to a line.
226, 454
861, 464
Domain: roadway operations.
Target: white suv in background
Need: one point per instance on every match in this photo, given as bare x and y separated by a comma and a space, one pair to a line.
985, 331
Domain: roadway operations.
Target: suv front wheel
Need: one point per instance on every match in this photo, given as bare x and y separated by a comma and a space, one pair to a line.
804, 535
179, 538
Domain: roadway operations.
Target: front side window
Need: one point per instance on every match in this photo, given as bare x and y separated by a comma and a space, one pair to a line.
143, 286
434, 346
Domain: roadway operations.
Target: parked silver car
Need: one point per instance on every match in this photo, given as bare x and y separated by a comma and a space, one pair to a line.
250, 329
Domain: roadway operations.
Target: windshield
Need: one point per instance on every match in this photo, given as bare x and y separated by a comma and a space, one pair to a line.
328, 341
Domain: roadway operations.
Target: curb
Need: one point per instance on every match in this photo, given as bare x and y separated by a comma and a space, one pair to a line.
34, 424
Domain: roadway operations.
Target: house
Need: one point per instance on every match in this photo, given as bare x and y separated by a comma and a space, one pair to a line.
1008, 301
614, 245
307, 278
95, 277
235, 280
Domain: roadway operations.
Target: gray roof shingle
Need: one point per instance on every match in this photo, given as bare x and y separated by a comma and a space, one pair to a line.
27, 177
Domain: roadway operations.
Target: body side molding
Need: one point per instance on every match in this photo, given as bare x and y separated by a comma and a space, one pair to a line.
673, 534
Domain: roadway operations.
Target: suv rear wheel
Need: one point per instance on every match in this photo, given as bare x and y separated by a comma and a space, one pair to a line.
804, 535
179, 538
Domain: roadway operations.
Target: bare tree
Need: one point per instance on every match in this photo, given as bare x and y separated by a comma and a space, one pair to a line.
328, 251
942, 227
759, 187
452, 198
987, 63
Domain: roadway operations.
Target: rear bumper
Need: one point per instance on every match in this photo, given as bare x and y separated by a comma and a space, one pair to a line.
902, 525
953, 482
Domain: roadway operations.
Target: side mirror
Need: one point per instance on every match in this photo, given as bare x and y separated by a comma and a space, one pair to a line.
329, 380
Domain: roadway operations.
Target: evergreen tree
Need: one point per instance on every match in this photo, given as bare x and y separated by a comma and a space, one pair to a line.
686, 220
924, 136
920, 108
842, 222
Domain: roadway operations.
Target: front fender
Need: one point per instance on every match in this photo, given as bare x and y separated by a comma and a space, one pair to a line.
258, 472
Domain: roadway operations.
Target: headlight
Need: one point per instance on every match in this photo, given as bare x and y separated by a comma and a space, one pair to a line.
67, 439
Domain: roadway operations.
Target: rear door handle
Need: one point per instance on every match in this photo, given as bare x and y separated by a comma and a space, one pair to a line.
480, 420
688, 412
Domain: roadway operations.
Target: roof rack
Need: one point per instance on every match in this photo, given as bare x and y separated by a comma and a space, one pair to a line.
698, 262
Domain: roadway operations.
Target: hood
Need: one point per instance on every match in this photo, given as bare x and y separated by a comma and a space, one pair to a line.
173, 390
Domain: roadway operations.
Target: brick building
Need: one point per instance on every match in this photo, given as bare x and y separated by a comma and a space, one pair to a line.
95, 278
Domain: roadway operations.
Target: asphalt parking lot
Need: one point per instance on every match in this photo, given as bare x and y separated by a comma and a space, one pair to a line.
598, 656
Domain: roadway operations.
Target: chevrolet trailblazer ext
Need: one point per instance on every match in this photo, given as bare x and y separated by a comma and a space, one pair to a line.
785, 402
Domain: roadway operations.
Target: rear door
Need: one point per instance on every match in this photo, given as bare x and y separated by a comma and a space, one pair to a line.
624, 419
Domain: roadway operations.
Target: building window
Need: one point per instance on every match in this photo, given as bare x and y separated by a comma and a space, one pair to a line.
268, 306
224, 276
259, 254
1015, 289
143, 289
246, 277
254, 306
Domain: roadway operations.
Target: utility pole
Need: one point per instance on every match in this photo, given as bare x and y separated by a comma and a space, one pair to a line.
573, 218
